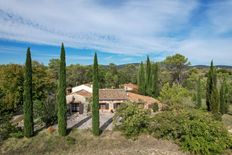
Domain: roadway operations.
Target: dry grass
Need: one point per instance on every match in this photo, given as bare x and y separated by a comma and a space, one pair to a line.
227, 121
82, 142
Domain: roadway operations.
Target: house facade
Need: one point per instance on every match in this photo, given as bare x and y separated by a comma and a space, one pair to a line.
79, 100
111, 99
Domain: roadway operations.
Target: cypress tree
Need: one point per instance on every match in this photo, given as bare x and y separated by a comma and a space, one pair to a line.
209, 87
95, 104
141, 79
214, 100
222, 98
155, 80
27, 98
198, 96
148, 77
61, 96
226, 98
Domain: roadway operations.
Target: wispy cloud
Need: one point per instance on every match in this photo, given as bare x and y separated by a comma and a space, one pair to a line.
129, 27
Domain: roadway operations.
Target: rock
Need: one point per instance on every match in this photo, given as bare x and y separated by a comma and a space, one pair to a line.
230, 131
50, 129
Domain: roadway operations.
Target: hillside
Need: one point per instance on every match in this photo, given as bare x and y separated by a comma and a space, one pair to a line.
82, 142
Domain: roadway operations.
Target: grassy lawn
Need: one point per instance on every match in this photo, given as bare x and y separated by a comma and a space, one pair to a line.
82, 142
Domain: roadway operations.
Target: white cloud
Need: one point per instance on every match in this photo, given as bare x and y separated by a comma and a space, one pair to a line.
129, 28
203, 51
132, 27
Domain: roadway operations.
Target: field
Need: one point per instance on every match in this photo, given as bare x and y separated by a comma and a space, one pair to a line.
82, 142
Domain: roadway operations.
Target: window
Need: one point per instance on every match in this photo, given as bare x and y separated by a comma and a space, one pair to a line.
75, 107
116, 105
104, 106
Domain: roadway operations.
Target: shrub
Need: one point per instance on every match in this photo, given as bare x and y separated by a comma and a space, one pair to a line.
5, 126
194, 131
18, 133
155, 107
173, 95
70, 140
46, 111
131, 119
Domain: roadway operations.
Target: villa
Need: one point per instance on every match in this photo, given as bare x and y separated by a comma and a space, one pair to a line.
79, 98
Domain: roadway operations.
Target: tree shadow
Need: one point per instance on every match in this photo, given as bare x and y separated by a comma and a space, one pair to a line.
37, 131
80, 123
106, 124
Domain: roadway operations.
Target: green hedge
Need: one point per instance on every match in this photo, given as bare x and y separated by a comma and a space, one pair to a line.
131, 120
195, 131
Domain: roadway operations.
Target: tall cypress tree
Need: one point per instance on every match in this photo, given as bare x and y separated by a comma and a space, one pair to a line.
198, 96
226, 98
148, 77
214, 100
141, 79
222, 98
155, 80
212, 96
95, 104
61, 96
209, 87
27, 98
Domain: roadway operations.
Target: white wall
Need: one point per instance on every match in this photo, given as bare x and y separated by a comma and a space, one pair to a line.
82, 87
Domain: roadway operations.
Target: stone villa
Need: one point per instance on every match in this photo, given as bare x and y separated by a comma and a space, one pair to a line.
79, 98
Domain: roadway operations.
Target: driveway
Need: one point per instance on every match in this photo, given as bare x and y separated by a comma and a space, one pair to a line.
85, 121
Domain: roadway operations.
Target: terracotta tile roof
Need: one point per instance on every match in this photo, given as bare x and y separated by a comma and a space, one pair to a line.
131, 85
141, 98
84, 93
112, 94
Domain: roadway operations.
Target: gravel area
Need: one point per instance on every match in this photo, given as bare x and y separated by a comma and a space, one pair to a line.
85, 121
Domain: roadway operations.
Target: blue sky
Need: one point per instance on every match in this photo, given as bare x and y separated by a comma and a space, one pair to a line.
120, 31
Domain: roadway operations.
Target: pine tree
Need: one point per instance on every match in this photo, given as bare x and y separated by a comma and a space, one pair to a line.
61, 96
222, 98
27, 98
141, 79
198, 96
95, 104
148, 77
155, 81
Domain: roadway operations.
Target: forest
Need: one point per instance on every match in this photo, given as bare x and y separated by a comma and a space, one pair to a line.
174, 69
198, 93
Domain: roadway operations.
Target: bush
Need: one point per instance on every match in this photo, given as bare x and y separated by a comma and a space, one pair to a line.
173, 95
46, 111
131, 120
5, 126
194, 131
155, 107
18, 133
70, 140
